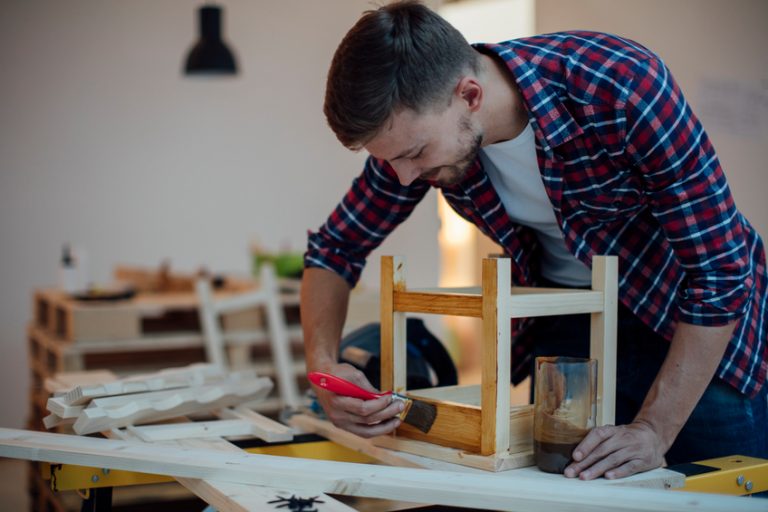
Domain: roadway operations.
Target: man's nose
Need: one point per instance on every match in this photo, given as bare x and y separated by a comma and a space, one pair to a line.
406, 172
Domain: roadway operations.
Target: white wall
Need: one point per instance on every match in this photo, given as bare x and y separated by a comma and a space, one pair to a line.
716, 50
105, 144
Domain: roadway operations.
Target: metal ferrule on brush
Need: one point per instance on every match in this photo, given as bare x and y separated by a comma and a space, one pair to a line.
407, 402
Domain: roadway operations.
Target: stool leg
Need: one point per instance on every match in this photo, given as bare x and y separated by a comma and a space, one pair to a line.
602, 336
393, 342
495, 398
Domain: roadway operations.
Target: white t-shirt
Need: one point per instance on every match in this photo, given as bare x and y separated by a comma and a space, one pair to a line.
514, 171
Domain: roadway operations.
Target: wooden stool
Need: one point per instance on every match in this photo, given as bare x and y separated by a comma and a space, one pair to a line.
487, 425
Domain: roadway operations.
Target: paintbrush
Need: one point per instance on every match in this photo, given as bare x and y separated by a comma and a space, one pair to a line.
416, 413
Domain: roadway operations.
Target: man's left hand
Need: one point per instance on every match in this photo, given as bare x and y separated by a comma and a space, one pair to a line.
616, 452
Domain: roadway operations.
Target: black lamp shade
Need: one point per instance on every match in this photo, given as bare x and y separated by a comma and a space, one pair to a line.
209, 55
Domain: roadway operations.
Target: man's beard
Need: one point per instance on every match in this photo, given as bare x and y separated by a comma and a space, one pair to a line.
449, 175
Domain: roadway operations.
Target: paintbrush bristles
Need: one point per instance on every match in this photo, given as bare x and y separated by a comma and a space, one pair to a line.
420, 415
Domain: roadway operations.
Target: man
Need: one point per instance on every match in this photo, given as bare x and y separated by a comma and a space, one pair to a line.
559, 147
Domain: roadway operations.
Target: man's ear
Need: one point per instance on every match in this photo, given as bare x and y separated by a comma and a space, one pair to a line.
470, 92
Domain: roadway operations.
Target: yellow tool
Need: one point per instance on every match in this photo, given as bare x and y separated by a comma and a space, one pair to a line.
72, 478
737, 475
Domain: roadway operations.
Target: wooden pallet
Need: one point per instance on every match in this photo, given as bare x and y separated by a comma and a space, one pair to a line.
145, 315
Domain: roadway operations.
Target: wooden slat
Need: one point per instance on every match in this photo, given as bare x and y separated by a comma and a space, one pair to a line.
442, 457
439, 304
554, 303
234, 497
468, 394
228, 496
519, 493
171, 378
524, 302
314, 425
105, 413
280, 342
196, 430
393, 351
387, 323
456, 426
496, 356
262, 427
602, 344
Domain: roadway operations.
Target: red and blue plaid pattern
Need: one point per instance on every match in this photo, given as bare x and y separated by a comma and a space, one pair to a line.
629, 171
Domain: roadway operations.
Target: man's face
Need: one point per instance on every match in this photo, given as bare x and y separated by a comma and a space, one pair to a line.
433, 146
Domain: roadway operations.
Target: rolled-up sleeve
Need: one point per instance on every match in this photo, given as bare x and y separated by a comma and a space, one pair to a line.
689, 197
373, 206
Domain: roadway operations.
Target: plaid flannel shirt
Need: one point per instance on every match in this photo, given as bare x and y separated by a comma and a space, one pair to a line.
629, 171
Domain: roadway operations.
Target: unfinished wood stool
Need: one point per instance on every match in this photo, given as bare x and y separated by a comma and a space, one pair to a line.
477, 425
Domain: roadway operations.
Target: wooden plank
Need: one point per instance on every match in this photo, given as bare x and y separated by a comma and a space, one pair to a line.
234, 497
555, 303
456, 426
524, 301
496, 356
279, 340
171, 378
198, 429
52, 421
262, 427
495, 462
65, 381
387, 322
313, 425
225, 496
464, 441
222, 381
438, 303
213, 342
463, 290
393, 351
462, 394
105, 413
57, 406
602, 337
518, 493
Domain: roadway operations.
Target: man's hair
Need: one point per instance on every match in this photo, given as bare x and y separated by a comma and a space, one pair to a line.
402, 55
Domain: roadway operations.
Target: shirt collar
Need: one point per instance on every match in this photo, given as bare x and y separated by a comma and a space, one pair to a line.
557, 125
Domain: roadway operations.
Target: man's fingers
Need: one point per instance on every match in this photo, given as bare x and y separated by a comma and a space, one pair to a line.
385, 427
362, 408
595, 446
618, 452
628, 468
346, 410
598, 469
593, 439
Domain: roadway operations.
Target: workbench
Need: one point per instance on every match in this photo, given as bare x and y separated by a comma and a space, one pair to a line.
272, 472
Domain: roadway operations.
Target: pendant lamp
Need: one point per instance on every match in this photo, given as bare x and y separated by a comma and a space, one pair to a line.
209, 55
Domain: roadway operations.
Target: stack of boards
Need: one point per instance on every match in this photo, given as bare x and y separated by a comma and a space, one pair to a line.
171, 393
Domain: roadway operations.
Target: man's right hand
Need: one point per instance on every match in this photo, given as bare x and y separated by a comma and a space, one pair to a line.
366, 418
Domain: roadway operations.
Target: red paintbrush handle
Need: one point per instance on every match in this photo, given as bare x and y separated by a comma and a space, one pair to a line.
341, 386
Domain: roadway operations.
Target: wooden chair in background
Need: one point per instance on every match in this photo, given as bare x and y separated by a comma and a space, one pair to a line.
267, 296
